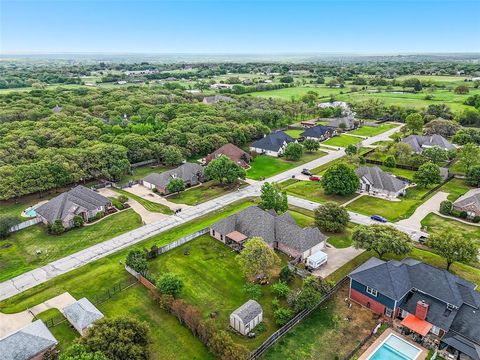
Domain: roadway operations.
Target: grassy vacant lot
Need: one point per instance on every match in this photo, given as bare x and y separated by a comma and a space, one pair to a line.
18, 252
297, 92
391, 210
312, 191
264, 166
435, 224
214, 283
373, 130
149, 205
342, 141
203, 192
325, 334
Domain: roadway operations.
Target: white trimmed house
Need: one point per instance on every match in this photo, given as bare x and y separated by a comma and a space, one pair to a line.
273, 144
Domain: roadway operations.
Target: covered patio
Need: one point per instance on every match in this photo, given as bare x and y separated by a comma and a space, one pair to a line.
235, 240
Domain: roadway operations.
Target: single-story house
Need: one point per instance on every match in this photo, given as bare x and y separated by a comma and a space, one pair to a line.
79, 201
246, 317
469, 202
82, 314
418, 143
273, 144
344, 123
375, 181
279, 231
233, 152
30, 342
192, 174
319, 133
428, 301
216, 98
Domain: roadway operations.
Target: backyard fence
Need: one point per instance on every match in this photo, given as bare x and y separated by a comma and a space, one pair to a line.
352, 353
143, 163
179, 242
24, 225
294, 321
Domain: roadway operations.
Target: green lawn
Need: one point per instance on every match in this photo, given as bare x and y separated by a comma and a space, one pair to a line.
313, 191
342, 141
149, 205
297, 92
372, 130
203, 192
264, 166
294, 133
214, 283
142, 171
18, 252
435, 224
391, 210
456, 188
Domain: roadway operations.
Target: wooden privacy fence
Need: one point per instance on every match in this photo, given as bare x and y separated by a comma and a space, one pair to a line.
24, 225
293, 321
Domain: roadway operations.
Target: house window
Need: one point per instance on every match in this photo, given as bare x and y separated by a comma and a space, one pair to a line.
372, 291
213, 232
388, 312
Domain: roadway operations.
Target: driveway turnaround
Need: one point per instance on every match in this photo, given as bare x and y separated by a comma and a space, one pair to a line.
430, 206
58, 267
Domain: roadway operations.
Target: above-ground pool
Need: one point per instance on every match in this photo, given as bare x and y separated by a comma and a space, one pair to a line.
395, 348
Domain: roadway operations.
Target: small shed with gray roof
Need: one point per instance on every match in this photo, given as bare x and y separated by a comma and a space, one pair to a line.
82, 314
30, 342
246, 317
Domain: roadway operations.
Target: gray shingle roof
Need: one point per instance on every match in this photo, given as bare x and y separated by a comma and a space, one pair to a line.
462, 344
82, 313
273, 141
349, 122
248, 311
317, 131
419, 142
254, 221
471, 198
189, 172
75, 201
27, 342
380, 179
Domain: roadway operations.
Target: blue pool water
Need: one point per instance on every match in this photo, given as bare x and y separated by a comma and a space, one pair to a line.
31, 213
394, 348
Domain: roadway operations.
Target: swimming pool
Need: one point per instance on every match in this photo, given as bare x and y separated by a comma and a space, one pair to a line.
395, 348
31, 212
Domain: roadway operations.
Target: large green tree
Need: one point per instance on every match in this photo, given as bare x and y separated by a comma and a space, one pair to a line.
257, 259
453, 247
176, 185
170, 284
273, 198
468, 156
224, 170
436, 154
331, 217
293, 151
427, 174
382, 239
340, 179
414, 123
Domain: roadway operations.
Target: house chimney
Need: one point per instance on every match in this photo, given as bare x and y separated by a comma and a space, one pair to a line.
421, 310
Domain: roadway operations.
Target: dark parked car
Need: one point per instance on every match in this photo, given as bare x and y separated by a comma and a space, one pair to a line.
314, 178
378, 218
306, 172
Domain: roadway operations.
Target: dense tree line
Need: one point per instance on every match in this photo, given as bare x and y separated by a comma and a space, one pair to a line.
98, 133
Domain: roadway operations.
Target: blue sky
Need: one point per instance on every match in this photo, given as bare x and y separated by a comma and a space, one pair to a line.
239, 26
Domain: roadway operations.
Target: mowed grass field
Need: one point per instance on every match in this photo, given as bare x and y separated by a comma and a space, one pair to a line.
18, 251
203, 192
373, 130
342, 140
264, 166
435, 224
313, 191
297, 92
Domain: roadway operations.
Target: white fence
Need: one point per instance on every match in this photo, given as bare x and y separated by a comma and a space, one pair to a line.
181, 241
24, 225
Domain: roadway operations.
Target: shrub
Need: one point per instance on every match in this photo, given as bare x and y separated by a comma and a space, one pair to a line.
286, 274
253, 291
122, 198
476, 219
118, 204
170, 284
390, 162
280, 289
78, 221
282, 315
6, 222
446, 207
136, 260
56, 228
97, 216
463, 214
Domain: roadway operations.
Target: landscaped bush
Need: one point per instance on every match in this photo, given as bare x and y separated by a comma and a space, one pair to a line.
117, 203
446, 207
6, 222
282, 316
390, 162
78, 221
56, 228
463, 214
286, 274
137, 261
97, 216
280, 289
122, 198
476, 219
170, 284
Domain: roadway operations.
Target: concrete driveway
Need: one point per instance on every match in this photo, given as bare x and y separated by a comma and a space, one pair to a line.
336, 259
10, 323
149, 195
429, 206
